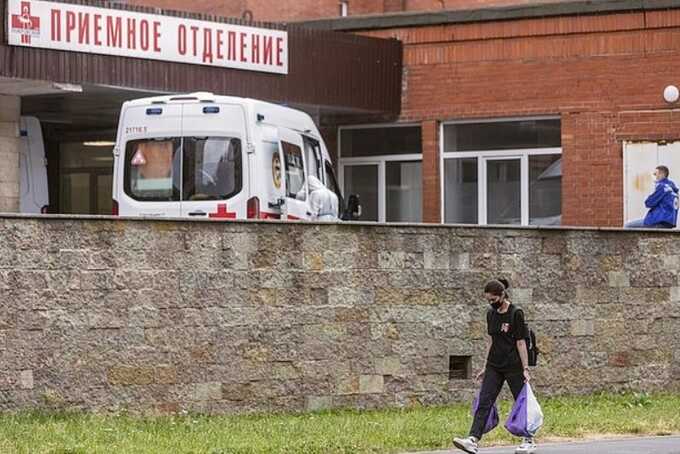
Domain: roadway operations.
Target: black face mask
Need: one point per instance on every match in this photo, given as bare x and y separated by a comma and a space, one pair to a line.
496, 304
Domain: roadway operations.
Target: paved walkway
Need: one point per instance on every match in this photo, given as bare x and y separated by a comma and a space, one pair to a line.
653, 445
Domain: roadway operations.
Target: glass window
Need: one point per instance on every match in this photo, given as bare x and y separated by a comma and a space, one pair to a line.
295, 171
502, 135
404, 191
363, 180
212, 168
79, 155
504, 191
152, 169
332, 184
460, 191
75, 193
312, 157
545, 190
85, 176
380, 141
104, 186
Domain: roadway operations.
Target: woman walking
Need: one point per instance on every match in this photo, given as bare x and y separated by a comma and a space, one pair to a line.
507, 360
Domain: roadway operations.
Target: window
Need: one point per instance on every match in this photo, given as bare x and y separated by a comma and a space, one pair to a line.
85, 176
312, 156
460, 191
502, 172
152, 170
403, 191
383, 166
295, 171
545, 189
380, 141
363, 181
503, 189
459, 367
502, 135
332, 184
212, 168
189, 168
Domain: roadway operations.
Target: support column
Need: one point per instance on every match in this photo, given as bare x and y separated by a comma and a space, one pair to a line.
431, 182
10, 112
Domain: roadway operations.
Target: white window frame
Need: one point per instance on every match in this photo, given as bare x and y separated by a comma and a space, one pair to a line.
380, 160
483, 156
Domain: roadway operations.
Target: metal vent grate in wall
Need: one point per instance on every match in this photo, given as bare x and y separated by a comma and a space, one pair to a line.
459, 367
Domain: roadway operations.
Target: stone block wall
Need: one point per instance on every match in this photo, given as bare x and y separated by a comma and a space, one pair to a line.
10, 110
162, 316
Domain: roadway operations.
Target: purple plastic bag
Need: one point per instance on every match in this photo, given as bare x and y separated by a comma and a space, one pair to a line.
492, 420
526, 416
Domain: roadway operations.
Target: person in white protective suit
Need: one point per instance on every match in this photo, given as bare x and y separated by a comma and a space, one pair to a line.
323, 203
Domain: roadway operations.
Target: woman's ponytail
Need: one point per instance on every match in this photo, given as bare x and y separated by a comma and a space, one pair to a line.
498, 287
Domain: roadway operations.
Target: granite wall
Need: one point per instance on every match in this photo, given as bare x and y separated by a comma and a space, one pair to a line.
162, 316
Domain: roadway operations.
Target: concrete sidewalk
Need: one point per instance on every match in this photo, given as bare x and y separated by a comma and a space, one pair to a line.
651, 445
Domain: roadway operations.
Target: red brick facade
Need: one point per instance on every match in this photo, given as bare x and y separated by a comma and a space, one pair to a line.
272, 11
603, 75
431, 177
284, 11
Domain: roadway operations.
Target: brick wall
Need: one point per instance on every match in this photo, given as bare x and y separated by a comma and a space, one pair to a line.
431, 176
295, 10
269, 11
603, 75
236, 317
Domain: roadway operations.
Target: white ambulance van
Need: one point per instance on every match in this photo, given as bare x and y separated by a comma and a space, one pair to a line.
33, 191
203, 155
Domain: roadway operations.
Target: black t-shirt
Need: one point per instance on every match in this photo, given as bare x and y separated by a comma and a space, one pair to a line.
504, 334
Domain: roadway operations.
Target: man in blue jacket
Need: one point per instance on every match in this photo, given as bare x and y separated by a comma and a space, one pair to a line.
662, 204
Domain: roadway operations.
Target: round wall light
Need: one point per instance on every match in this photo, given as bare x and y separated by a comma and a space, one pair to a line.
671, 94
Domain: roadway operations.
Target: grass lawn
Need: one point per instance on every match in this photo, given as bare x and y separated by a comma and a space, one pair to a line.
388, 431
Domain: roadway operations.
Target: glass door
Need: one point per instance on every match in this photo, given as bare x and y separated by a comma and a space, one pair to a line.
502, 201
363, 179
86, 176
75, 196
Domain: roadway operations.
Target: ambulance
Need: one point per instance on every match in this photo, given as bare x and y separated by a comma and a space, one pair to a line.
202, 155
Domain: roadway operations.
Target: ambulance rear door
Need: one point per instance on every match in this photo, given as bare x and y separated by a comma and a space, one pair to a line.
214, 174
148, 167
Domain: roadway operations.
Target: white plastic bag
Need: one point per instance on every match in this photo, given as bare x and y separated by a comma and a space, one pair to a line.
526, 416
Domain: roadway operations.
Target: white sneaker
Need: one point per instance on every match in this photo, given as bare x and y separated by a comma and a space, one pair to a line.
527, 447
468, 444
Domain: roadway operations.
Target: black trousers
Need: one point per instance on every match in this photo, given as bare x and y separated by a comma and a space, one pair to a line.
491, 387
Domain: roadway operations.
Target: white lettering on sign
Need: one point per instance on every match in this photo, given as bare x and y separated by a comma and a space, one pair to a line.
104, 31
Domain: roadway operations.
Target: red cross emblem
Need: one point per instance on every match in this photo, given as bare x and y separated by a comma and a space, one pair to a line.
222, 212
25, 24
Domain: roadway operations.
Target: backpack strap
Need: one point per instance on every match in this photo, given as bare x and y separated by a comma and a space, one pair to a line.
513, 311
